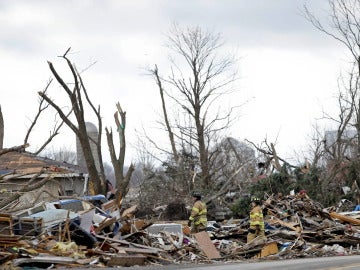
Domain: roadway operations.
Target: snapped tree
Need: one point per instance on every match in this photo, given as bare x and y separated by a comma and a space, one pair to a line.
78, 97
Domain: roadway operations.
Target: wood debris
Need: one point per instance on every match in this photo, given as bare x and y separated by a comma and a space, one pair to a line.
103, 236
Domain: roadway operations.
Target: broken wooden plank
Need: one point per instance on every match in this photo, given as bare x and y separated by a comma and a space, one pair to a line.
286, 224
121, 249
140, 250
134, 226
116, 247
109, 206
169, 237
124, 242
269, 249
44, 259
345, 218
126, 260
207, 246
6, 224
6, 240
105, 223
245, 252
129, 212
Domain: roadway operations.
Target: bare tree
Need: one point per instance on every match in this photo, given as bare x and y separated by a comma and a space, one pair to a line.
344, 26
56, 128
76, 99
339, 144
341, 147
316, 149
15, 148
272, 158
155, 73
79, 98
122, 182
194, 86
63, 154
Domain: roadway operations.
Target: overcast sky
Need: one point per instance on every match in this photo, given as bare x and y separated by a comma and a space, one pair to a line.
288, 70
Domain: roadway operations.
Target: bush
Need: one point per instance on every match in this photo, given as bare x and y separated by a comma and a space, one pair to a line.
241, 207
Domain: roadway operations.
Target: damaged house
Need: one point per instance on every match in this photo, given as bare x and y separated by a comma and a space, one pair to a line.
18, 169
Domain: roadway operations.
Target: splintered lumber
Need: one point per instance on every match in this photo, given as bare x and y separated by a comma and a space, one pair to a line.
169, 237
345, 242
134, 226
269, 249
109, 206
310, 222
345, 218
126, 260
121, 249
44, 259
7, 240
106, 222
207, 246
6, 256
266, 250
246, 252
141, 250
129, 212
286, 224
124, 242
255, 242
6, 224
117, 247
28, 227
159, 258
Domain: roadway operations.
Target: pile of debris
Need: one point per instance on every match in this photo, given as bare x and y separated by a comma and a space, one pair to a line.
87, 231
296, 226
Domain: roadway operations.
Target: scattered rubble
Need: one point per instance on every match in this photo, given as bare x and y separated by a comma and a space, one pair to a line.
84, 233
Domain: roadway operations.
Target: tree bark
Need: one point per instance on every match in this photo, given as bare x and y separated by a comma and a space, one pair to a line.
155, 72
209, 78
122, 183
12, 149
75, 97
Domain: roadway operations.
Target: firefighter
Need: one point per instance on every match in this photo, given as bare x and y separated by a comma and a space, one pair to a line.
197, 220
257, 225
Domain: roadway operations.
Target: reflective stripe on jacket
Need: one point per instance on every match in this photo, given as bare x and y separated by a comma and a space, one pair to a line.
198, 214
257, 218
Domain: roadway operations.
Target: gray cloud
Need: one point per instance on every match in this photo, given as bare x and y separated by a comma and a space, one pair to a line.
125, 35
251, 23
101, 23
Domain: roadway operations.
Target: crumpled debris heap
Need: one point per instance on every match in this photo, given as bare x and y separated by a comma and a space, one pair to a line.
103, 236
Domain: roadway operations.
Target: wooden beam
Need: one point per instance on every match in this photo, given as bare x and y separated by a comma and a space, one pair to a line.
345, 218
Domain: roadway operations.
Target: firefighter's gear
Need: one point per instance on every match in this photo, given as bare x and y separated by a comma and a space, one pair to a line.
257, 225
198, 219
